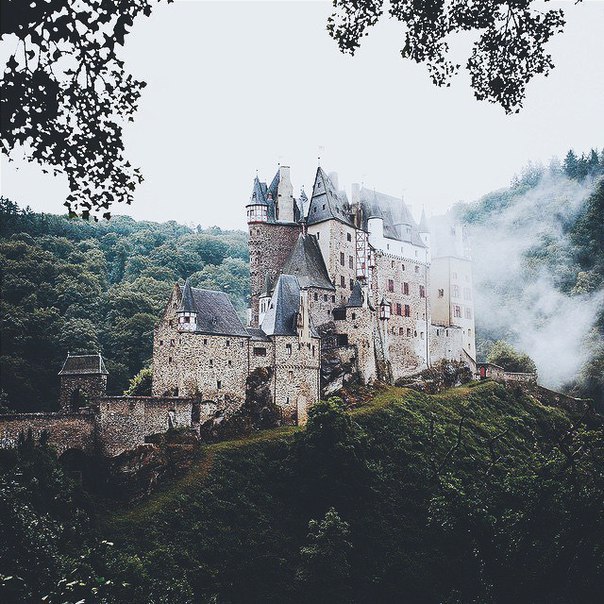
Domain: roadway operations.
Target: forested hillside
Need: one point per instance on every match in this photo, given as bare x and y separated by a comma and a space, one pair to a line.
479, 494
73, 285
538, 249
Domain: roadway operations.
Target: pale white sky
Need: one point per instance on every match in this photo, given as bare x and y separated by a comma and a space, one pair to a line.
239, 86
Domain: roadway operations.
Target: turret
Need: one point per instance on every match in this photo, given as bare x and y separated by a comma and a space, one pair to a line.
424, 233
257, 208
187, 312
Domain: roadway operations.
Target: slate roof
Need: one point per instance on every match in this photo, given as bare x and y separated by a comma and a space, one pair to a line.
84, 364
257, 334
280, 318
394, 212
306, 262
326, 203
215, 312
356, 297
259, 192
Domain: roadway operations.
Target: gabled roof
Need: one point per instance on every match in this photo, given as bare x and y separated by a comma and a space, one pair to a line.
215, 312
84, 364
326, 203
273, 188
394, 212
306, 262
280, 318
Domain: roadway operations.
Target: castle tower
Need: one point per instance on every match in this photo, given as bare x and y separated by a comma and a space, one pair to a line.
273, 233
83, 377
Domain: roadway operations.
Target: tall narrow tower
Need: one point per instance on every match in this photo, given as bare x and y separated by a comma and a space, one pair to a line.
273, 233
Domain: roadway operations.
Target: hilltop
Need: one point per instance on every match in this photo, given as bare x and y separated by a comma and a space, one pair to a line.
480, 494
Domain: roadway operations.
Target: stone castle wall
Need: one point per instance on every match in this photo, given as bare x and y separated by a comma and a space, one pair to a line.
124, 422
64, 430
296, 376
270, 246
89, 386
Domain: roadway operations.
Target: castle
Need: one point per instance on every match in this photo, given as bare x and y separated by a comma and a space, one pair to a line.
334, 283
341, 291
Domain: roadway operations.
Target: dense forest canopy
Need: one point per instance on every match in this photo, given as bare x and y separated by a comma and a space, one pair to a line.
539, 280
73, 285
479, 494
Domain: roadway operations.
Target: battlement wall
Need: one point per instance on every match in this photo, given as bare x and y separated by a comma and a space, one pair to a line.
64, 430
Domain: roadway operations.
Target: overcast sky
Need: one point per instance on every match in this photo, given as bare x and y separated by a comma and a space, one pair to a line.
235, 87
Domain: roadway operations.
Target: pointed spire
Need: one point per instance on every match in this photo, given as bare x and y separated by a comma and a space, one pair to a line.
258, 192
187, 303
423, 223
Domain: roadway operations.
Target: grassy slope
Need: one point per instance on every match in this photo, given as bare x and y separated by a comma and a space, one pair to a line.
240, 517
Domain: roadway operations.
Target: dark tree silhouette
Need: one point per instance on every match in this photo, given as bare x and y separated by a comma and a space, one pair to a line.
65, 94
508, 53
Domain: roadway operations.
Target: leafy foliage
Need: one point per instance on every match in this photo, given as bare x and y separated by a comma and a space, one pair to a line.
509, 51
66, 94
474, 495
504, 355
78, 286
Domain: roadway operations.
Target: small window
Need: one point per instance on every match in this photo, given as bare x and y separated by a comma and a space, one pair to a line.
342, 281
318, 234
333, 298
169, 359
291, 377
348, 237
205, 341
405, 288
211, 362
230, 363
455, 292
316, 296
161, 342
401, 331
468, 313
187, 319
422, 291
403, 266
172, 343
227, 343
259, 351
354, 315
350, 262
441, 293
218, 384
324, 297
288, 348
313, 351
457, 311
342, 258
390, 285
417, 269
339, 314
408, 332
421, 335
351, 285
342, 339
407, 310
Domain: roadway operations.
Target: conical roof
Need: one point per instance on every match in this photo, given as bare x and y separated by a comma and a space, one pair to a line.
423, 223
187, 303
